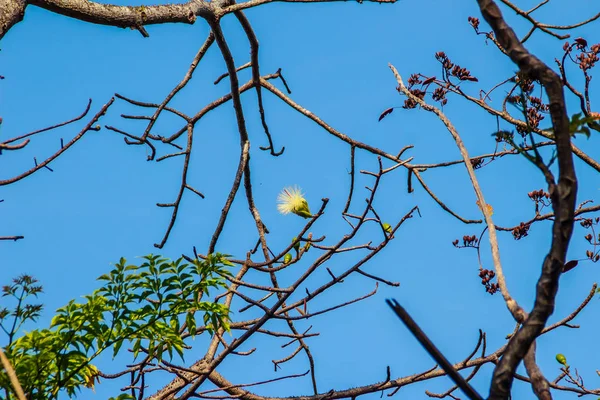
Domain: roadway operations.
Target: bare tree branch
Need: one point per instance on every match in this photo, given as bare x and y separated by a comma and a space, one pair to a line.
563, 196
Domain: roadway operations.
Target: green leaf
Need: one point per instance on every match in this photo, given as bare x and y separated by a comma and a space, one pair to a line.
578, 124
123, 396
136, 348
117, 347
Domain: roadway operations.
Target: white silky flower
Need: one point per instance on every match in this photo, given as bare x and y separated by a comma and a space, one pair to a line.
291, 200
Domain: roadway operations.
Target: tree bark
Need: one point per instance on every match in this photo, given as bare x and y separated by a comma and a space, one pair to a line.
11, 12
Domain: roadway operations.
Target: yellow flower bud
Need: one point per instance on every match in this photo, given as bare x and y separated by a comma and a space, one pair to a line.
387, 227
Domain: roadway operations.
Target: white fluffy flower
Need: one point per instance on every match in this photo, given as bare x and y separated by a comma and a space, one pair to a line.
291, 200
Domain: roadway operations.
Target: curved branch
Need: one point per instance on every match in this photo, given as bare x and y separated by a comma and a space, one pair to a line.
5, 145
43, 164
563, 196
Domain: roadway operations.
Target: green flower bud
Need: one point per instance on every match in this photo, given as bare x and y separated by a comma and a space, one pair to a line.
561, 359
387, 227
303, 210
297, 244
287, 258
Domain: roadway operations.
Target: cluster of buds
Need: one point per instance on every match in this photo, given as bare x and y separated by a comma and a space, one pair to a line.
442, 58
587, 59
474, 22
593, 257
538, 195
525, 82
537, 103
477, 163
486, 276
414, 79
588, 222
463, 74
439, 95
534, 117
541, 199
454, 70
532, 106
410, 103
589, 238
468, 241
520, 231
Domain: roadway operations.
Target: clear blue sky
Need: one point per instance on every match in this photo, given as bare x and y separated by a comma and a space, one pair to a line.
99, 203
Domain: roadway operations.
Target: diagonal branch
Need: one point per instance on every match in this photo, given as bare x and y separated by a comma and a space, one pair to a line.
188, 75
516, 310
14, 380
256, 79
4, 145
43, 164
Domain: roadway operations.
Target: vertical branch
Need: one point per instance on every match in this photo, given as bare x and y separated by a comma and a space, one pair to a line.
239, 114
248, 183
352, 151
256, 78
562, 194
539, 383
175, 205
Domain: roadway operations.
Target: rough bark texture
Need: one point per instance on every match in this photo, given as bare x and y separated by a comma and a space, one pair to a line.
563, 196
136, 17
11, 12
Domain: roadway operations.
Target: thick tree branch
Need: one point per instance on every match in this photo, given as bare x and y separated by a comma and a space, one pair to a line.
11, 12
135, 17
563, 196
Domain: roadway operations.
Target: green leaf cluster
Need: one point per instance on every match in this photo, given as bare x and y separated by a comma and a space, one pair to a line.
151, 307
579, 124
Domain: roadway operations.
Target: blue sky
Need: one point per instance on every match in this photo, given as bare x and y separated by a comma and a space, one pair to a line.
99, 203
